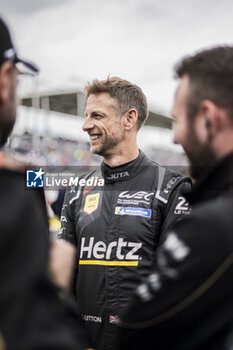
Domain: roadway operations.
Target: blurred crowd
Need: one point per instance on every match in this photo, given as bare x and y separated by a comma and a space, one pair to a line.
46, 150
51, 151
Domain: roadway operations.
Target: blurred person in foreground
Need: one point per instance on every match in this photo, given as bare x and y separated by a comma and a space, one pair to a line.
187, 301
117, 227
32, 315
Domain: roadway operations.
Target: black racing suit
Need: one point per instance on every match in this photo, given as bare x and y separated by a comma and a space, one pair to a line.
117, 229
187, 301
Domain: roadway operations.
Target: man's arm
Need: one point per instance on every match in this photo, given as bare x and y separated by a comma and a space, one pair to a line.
184, 285
61, 263
67, 232
67, 235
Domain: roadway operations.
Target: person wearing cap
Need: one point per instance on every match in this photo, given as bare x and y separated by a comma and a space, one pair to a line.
32, 316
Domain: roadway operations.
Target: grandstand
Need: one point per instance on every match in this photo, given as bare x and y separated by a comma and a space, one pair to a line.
49, 131
73, 103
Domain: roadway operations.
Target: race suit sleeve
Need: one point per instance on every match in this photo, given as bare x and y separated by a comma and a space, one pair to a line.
186, 284
177, 207
68, 233
68, 227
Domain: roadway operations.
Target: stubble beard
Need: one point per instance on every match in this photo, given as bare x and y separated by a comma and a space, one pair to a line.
201, 157
106, 147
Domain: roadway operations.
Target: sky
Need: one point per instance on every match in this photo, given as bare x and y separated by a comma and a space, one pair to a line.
76, 41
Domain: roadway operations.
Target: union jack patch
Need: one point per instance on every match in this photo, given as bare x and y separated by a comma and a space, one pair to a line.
113, 319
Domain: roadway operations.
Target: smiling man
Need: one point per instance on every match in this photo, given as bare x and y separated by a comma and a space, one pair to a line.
105, 128
186, 302
117, 228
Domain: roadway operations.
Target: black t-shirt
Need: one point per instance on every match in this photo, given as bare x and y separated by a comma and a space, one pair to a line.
32, 316
186, 302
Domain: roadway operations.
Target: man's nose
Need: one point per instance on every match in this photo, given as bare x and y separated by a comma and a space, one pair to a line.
88, 124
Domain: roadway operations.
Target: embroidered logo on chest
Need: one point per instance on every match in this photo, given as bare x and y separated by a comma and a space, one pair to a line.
91, 203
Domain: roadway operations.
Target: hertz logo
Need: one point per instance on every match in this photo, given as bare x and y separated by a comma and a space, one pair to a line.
100, 253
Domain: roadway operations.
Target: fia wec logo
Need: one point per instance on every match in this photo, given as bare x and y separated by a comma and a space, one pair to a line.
138, 195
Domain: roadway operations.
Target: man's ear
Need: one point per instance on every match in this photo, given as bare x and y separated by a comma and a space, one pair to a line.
5, 81
130, 119
211, 115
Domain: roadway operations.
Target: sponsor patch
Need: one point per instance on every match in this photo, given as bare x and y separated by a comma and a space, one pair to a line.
171, 184
118, 175
135, 198
91, 203
116, 253
146, 213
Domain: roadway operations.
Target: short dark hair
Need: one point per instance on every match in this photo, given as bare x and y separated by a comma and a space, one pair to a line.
126, 94
211, 77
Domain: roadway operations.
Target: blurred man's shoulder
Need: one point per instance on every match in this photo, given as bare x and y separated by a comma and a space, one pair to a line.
13, 186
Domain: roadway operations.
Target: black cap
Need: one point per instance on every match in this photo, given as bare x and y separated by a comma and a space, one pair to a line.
7, 50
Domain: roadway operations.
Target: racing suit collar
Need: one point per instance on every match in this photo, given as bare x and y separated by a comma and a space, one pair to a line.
214, 181
122, 172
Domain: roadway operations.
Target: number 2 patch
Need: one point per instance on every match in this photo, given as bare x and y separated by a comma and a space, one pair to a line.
182, 207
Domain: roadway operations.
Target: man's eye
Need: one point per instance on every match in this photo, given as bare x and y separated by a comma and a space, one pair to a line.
98, 116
